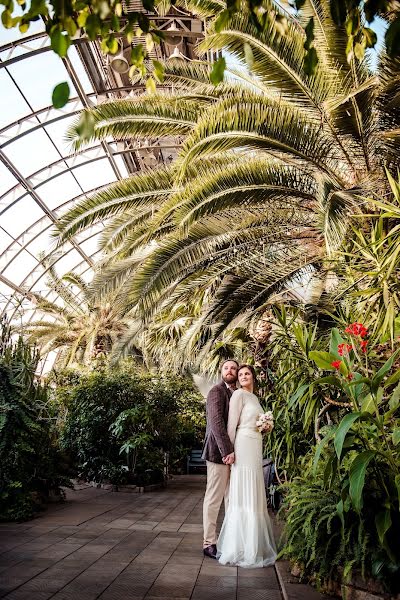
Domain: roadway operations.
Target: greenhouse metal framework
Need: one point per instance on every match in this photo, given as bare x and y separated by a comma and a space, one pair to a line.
39, 176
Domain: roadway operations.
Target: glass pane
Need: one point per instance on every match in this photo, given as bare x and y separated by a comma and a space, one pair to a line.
21, 215
96, 174
43, 241
20, 267
38, 75
59, 190
7, 181
10, 35
12, 104
31, 153
5, 240
80, 70
57, 132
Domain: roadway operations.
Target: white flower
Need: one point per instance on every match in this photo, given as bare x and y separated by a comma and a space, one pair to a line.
265, 422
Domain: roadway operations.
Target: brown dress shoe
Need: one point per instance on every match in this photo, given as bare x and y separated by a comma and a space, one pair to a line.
210, 551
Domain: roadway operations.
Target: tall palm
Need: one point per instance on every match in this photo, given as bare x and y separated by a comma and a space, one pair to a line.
272, 164
79, 327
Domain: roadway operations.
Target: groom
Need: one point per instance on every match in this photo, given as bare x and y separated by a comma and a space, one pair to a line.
218, 453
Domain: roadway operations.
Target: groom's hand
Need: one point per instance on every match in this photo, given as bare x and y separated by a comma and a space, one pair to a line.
229, 459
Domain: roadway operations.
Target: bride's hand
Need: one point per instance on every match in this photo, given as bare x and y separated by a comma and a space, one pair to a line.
229, 459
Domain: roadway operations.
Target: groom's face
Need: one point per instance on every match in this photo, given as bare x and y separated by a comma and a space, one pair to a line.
229, 371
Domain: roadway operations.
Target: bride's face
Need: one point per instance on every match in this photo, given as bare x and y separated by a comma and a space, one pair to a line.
245, 377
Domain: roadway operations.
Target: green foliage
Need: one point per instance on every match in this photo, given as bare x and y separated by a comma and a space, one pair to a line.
351, 16
370, 262
81, 328
120, 423
270, 172
217, 73
291, 392
104, 19
355, 467
60, 95
327, 539
30, 462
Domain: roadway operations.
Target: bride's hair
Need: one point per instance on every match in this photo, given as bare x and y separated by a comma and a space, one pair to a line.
253, 372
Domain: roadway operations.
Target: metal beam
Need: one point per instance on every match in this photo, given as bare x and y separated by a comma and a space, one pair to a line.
71, 168
30, 290
13, 286
25, 184
19, 240
49, 109
83, 98
25, 41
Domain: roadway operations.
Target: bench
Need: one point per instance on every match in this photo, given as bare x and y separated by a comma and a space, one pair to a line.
195, 462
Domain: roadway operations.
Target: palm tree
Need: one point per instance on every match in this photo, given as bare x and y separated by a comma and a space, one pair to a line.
80, 327
272, 165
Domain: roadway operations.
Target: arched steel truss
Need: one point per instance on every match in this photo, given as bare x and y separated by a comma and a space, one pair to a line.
29, 185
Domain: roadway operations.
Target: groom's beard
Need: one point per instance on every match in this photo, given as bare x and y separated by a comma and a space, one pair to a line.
231, 384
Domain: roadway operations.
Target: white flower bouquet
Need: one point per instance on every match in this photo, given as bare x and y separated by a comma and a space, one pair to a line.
265, 422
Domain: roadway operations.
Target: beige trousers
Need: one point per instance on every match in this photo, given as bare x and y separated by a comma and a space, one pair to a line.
217, 489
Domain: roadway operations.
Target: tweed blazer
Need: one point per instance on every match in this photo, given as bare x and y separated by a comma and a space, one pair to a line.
217, 443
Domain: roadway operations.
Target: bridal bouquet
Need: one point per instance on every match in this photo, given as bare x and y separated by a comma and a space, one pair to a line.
265, 422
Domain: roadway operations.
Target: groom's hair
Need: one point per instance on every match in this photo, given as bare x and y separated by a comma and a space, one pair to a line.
228, 360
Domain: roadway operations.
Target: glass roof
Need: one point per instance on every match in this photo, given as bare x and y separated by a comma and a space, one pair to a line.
40, 177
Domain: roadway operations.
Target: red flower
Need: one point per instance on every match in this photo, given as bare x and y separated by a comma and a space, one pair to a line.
350, 376
342, 348
357, 329
336, 364
364, 344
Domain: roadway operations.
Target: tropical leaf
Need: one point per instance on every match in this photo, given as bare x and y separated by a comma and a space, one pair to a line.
357, 477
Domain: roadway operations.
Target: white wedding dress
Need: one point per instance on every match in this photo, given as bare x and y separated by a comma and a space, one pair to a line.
246, 538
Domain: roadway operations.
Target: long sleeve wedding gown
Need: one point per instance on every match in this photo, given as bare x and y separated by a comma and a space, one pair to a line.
246, 537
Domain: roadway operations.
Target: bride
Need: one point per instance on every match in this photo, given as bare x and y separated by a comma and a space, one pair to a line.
246, 538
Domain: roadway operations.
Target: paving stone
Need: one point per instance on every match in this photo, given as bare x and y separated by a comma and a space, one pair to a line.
147, 597
217, 582
263, 573
212, 567
207, 593
104, 545
258, 594
258, 583
299, 591
22, 594
186, 528
166, 527
121, 594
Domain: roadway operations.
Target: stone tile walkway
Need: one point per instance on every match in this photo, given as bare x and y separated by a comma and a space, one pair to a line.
126, 546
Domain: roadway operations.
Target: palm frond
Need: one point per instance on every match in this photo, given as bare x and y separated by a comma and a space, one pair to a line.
57, 284
239, 294
140, 190
138, 117
277, 60
263, 125
258, 182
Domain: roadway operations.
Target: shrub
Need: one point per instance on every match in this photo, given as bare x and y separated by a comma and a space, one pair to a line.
30, 461
120, 423
346, 508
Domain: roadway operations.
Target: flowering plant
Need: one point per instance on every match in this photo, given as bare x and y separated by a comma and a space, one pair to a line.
265, 422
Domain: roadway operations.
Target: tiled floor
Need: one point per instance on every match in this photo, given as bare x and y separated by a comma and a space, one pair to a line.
126, 546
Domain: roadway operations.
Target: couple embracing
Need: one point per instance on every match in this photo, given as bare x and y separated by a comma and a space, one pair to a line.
233, 452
